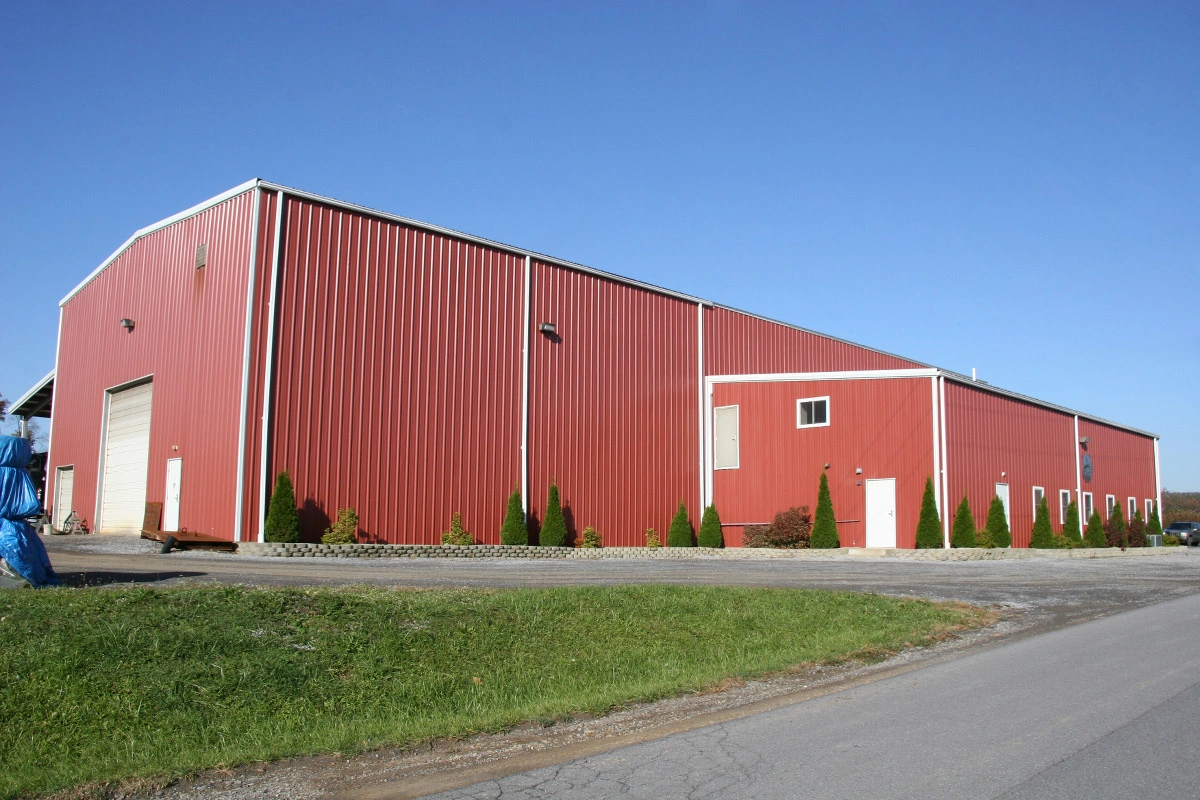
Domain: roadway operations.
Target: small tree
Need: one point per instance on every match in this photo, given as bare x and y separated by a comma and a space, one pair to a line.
710, 528
283, 520
344, 531
513, 531
1114, 529
554, 527
997, 524
1137, 530
1154, 524
1070, 532
680, 532
929, 526
963, 532
652, 540
457, 535
1043, 532
590, 538
1094, 535
825, 532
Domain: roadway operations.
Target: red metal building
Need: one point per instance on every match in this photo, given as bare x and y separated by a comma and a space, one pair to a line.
411, 371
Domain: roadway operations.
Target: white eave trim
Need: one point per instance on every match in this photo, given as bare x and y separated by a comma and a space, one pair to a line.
37, 387
171, 220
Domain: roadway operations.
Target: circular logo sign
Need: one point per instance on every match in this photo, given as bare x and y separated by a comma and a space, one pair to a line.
1087, 467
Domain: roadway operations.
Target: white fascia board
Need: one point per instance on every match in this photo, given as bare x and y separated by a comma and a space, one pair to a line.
851, 375
171, 220
37, 387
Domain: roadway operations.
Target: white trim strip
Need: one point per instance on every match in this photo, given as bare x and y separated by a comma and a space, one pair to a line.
935, 426
853, 375
1157, 483
171, 220
37, 387
269, 367
1078, 479
700, 396
525, 390
239, 499
945, 460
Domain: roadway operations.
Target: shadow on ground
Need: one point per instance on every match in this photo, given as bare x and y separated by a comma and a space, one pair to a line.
115, 578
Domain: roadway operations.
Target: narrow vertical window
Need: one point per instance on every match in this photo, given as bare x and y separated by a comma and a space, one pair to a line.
1149, 508
1087, 507
1064, 502
1110, 502
1132, 506
812, 412
1039, 494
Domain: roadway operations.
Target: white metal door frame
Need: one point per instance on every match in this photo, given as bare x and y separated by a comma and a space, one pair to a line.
170, 515
59, 513
883, 525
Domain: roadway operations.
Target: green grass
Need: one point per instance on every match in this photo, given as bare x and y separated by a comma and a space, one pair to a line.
102, 685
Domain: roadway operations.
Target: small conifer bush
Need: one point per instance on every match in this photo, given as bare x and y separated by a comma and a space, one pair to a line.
652, 540
1043, 532
825, 532
590, 538
283, 520
963, 532
1094, 535
997, 524
929, 527
456, 534
1154, 524
1070, 533
554, 527
983, 538
710, 528
344, 531
1136, 535
680, 532
513, 530
1115, 533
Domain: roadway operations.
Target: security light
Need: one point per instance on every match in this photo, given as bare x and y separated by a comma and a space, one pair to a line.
127, 324
547, 328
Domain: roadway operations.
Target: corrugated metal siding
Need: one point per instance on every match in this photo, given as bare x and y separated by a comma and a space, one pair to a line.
741, 344
189, 334
1122, 465
398, 376
881, 426
986, 435
613, 404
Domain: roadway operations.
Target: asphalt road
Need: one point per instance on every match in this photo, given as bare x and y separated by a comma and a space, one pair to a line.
1105, 709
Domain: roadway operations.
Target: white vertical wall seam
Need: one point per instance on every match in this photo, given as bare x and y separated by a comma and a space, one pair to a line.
935, 419
704, 500
1157, 483
239, 499
708, 437
269, 366
945, 466
1078, 480
525, 391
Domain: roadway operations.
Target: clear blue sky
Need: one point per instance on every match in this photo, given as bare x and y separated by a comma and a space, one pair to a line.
1008, 186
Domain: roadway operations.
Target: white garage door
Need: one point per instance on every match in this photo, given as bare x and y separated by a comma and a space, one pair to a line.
126, 460
64, 490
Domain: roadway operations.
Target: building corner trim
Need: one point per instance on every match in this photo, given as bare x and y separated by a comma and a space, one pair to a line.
269, 366
528, 317
252, 262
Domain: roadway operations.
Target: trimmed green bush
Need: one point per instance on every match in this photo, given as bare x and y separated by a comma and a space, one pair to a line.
1043, 532
652, 540
1070, 534
590, 538
1154, 524
456, 534
997, 524
1115, 534
554, 527
929, 526
963, 532
283, 520
825, 532
513, 531
1094, 535
680, 532
344, 531
710, 528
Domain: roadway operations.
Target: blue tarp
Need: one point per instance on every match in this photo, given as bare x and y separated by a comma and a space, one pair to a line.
14, 452
20, 547
24, 552
18, 498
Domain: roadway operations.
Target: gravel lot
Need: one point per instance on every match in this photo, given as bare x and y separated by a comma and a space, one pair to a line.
1030, 596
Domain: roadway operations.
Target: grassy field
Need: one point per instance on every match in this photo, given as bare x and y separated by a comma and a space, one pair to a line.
102, 685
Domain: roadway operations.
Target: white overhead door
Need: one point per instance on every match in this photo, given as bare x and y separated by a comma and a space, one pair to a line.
126, 460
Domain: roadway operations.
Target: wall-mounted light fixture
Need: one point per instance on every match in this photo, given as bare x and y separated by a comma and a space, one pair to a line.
826, 465
858, 471
127, 324
1003, 474
1084, 440
547, 328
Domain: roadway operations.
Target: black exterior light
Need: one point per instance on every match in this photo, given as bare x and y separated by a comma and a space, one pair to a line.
547, 328
127, 324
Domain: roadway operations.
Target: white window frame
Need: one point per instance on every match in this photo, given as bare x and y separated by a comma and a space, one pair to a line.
1132, 507
1036, 500
1110, 502
1149, 508
737, 437
1089, 507
828, 416
1062, 507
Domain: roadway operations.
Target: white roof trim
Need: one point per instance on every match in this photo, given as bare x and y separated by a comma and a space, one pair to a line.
171, 220
37, 387
879, 374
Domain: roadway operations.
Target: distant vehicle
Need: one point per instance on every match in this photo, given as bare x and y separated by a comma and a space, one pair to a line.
1188, 532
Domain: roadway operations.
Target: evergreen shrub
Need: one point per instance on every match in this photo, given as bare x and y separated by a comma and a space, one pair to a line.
344, 531
710, 528
1070, 533
929, 527
963, 532
1115, 533
680, 532
456, 534
997, 525
1093, 536
1043, 532
554, 527
1154, 524
824, 531
589, 539
283, 520
652, 540
1136, 534
513, 530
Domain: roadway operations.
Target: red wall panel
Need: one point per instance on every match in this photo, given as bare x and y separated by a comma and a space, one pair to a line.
614, 404
189, 335
397, 385
1122, 465
882, 426
736, 343
994, 439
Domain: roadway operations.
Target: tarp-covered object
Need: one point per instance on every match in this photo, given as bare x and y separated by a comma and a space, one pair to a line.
14, 452
18, 498
24, 552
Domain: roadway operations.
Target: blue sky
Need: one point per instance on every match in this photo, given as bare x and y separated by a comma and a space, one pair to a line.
1013, 187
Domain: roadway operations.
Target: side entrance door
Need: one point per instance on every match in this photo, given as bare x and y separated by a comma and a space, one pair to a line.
881, 512
170, 519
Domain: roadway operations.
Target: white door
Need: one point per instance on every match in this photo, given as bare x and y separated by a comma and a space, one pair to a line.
64, 494
726, 454
126, 460
1002, 493
170, 518
881, 512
